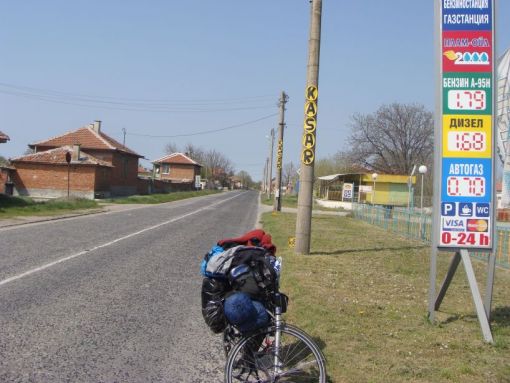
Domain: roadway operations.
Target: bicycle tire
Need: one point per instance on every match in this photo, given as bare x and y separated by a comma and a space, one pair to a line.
252, 359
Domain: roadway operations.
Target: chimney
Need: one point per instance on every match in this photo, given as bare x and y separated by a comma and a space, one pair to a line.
97, 126
76, 152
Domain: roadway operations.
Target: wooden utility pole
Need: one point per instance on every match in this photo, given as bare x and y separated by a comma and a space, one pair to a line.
270, 169
305, 197
264, 177
277, 206
68, 160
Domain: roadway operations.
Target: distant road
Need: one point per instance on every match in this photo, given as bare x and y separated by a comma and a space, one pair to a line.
115, 297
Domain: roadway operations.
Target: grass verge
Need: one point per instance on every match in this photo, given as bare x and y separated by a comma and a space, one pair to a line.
362, 294
160, 198
291, 201
22, 207
287, 200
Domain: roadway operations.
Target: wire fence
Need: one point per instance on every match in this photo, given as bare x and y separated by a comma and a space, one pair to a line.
418, 226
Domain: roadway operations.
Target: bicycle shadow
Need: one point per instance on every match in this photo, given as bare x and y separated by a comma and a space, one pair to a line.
347, 251
303, 350
322, 345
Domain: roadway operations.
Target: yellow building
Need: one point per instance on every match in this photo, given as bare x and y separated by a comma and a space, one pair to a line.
377, 189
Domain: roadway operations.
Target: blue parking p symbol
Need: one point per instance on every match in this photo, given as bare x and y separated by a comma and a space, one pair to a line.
448, 209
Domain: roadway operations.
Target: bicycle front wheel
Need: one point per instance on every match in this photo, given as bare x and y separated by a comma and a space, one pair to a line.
257, 358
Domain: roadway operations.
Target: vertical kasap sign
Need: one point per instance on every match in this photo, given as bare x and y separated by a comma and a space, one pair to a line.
467, 125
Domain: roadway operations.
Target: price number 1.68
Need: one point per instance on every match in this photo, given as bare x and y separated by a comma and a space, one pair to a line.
467, 141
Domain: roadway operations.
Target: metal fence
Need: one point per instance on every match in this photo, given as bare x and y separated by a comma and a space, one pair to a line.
417, 225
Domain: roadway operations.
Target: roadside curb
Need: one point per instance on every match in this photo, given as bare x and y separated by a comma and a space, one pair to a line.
103, 209
34, 219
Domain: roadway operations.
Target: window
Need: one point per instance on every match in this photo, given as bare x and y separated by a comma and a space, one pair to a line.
165, 168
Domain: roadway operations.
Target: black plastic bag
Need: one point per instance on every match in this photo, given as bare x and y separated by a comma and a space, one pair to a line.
213, 294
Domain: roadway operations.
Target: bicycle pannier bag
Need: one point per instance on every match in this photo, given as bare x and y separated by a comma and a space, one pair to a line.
213, 293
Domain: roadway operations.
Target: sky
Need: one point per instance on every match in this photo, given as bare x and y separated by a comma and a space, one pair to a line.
209, 72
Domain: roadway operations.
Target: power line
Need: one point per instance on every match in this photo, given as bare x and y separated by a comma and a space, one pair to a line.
153, 105
204, 131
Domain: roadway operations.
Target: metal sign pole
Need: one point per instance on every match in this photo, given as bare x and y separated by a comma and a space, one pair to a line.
480, 310
436, 201
491, 264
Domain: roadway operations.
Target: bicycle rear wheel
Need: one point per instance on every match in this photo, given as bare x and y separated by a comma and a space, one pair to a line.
255, 359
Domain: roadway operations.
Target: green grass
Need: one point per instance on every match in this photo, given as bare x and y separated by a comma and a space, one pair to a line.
160, 198
362, 294
17, 206
291, 201
21, 206
287, 201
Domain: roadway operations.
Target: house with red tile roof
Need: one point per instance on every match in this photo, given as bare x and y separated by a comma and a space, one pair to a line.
116, 166
176, 168
59, 172
100, 166
144, 172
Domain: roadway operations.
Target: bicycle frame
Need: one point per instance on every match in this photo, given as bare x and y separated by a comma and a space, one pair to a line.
278, 324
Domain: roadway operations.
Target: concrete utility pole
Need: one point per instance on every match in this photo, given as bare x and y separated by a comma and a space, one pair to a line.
305, 197
277, 206
270, 169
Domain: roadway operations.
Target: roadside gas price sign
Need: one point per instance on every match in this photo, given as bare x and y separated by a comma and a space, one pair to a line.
467, 138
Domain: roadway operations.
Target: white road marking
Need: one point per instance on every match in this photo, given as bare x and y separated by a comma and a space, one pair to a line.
61, 260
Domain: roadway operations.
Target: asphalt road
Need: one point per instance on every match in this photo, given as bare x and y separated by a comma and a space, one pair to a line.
114, 297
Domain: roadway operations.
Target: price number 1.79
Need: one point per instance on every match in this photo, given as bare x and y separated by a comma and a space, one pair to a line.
466, 100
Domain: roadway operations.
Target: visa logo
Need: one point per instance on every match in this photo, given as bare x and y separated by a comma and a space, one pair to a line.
453, 224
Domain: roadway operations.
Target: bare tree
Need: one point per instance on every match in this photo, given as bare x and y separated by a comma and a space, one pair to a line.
194, 152
340, 162
393, 139
218, 167
245, 178
289, 173
171, 147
